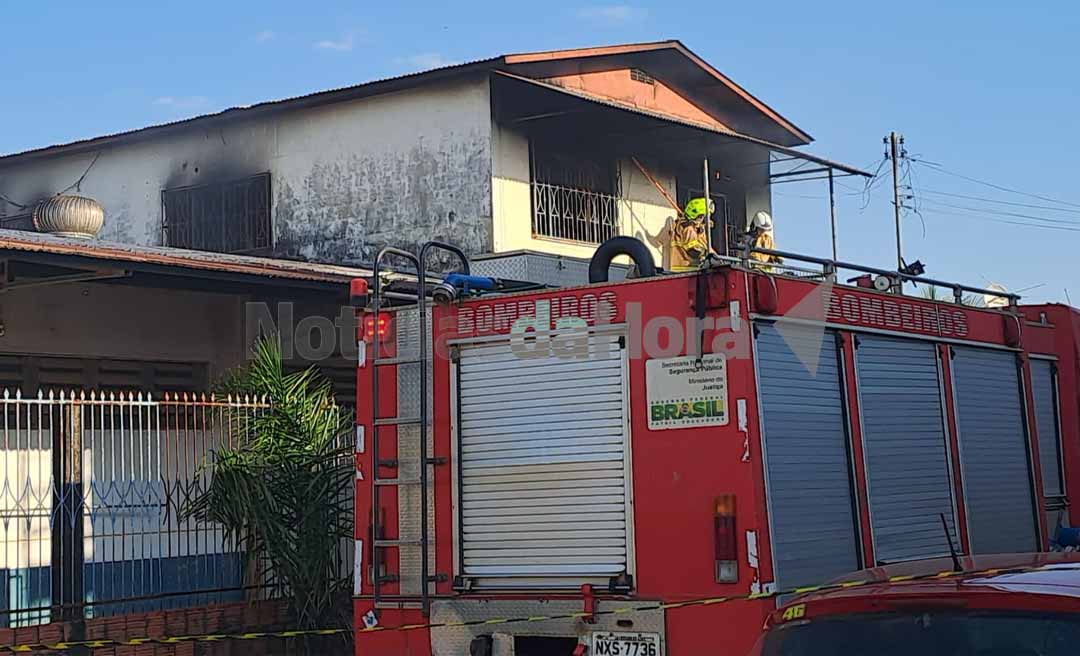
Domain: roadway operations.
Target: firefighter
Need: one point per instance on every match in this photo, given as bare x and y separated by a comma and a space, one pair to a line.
689, 242
761, 236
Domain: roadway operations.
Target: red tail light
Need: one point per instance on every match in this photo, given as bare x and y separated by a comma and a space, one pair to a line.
725, 540
376, 326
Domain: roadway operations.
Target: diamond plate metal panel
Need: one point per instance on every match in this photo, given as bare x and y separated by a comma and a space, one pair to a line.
541, 268
407, 329
410, 513
454, 641
508, 267
410, 510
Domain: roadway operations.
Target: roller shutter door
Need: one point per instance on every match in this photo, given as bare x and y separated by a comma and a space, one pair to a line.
993, 451
543, 485
907, 463
808, 470
1044, 391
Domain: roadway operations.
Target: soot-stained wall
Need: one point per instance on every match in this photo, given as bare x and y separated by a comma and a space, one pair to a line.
347, 178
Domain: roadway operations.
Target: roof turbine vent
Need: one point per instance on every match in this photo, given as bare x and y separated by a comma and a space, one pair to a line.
69, 216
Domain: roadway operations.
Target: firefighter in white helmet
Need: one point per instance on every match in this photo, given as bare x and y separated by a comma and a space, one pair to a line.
761, 236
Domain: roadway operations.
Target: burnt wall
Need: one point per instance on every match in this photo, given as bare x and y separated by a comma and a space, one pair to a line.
346, 178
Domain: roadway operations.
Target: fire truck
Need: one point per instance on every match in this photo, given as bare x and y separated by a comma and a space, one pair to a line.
540, 470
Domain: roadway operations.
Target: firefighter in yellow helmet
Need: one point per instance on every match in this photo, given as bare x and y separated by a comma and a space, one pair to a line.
689, 236
761, 236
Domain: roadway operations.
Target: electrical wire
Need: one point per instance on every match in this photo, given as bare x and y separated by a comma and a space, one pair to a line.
13, 203
982, 199
1018, 215
77, 185
806, 196
930, 166
978, 217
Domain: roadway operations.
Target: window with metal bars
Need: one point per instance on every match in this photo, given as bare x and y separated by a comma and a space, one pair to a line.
225, 217
34, 373
575, 194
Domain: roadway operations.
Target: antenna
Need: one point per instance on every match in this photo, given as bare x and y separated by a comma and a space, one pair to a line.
952, 549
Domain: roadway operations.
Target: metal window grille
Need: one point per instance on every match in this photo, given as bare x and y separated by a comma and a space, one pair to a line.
638, 75
228, 217
574, 197
91, 485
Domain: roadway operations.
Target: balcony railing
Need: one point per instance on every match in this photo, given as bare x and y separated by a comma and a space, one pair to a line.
574, 214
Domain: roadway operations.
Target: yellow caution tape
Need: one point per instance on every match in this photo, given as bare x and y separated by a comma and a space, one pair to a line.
164, 640
657, 606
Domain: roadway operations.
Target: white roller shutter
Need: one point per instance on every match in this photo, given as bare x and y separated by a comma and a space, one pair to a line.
543, 494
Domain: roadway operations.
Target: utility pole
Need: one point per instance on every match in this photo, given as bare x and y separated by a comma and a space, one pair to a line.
832, 215
896, 142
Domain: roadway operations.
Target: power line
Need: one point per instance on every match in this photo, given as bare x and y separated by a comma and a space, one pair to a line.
937, 167
1018, 215
999, 202
1025, 224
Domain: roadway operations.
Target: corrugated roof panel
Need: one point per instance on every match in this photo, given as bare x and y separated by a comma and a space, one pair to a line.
31, 242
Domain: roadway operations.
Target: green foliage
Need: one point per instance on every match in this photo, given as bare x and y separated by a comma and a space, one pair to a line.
934, 294
282, 491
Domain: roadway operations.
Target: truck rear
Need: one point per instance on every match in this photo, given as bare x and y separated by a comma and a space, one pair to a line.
645, 466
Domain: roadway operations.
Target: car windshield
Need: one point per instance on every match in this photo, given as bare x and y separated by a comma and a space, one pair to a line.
927, 634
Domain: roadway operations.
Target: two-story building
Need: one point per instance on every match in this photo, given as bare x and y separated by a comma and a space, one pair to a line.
216, 223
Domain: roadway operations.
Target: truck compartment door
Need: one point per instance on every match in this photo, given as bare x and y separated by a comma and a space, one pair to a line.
907, 458
994, 462
543, 457
1045, 392
807, 466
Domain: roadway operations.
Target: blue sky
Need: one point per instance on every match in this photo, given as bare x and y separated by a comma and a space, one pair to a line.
987, 90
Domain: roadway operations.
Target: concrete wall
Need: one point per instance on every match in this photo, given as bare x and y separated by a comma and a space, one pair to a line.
346, 178
642, 211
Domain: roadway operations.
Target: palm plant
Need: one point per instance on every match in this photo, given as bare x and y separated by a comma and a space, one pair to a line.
932, 293
281, 492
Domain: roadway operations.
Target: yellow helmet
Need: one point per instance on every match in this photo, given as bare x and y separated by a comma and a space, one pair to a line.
696, 208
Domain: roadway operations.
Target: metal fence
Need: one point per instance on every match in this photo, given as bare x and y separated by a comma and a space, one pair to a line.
91, 486
574, 214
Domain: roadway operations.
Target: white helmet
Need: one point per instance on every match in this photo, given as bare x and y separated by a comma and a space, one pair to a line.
762, 220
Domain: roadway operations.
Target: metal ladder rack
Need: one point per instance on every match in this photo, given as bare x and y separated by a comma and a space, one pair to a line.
378, 543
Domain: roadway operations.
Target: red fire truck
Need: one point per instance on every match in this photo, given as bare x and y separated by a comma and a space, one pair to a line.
729, 431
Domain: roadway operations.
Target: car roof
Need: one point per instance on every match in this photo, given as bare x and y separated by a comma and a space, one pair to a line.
1055, 574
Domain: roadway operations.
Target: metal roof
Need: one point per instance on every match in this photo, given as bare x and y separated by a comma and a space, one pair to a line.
633, 109
386, 85
201, 261
370, 88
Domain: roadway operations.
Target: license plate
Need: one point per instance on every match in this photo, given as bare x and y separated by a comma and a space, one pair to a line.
625, 644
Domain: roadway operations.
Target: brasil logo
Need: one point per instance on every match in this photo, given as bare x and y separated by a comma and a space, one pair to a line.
701, 409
